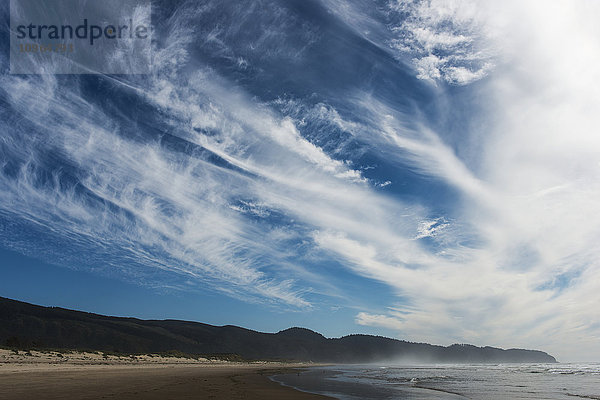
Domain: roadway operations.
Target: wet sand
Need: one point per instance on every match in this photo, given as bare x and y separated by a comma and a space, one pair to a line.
148, 382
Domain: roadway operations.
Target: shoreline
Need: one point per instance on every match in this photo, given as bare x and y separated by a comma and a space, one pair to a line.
127, 379
249, 381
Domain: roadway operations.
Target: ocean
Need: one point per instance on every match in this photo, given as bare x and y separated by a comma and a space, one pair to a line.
450, 381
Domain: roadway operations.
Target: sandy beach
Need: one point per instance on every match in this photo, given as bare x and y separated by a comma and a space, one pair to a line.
90, 376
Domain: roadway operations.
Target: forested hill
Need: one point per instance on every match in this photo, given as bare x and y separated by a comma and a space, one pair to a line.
24, 325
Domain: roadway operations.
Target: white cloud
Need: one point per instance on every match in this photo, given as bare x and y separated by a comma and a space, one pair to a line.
383, 321
445, 40
431, 228
530, 278
448, 40
163, 211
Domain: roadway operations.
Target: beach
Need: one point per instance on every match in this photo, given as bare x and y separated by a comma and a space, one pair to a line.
90, 376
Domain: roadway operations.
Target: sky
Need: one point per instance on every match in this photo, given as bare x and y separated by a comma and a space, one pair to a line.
424, 170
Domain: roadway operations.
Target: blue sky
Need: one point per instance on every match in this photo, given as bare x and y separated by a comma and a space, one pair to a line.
424, 170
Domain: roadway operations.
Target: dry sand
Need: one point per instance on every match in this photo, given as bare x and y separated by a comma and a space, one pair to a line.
96, 376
